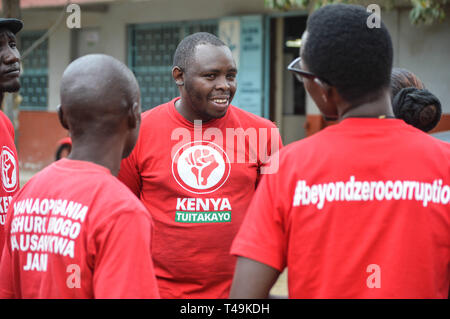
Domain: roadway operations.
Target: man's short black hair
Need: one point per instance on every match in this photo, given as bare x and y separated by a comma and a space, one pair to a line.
343, 50
186, 48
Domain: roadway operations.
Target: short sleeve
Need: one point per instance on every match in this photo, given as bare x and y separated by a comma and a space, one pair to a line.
123, 263
263, 236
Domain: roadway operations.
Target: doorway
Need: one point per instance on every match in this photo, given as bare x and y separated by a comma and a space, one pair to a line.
287, 95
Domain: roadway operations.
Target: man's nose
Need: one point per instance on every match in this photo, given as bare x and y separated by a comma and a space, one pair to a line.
222, 83
10, 56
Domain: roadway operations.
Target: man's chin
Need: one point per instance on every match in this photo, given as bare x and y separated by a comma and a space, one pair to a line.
219, 115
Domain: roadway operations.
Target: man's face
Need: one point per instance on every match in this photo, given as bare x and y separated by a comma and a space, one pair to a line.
209, 82
9, 62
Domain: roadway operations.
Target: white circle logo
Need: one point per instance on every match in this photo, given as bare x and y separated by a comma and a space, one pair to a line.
200, 167
9, 170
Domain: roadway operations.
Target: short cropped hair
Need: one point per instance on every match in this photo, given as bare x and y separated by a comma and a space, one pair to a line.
186, 48
343, 50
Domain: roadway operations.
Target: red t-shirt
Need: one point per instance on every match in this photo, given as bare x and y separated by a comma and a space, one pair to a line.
358, 210
74, 231
196, 192
9, 171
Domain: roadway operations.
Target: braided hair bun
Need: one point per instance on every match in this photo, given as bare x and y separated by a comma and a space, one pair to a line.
419, 108
412, 103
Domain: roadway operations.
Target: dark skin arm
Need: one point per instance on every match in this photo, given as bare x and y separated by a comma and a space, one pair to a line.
252, 279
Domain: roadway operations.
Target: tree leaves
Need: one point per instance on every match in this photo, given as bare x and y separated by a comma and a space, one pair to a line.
423, 12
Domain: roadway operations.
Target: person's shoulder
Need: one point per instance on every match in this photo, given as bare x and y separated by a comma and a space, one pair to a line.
431, 142
122, 194
426, 139
3, 116
251, 119
306, 147
42, 173
299, 146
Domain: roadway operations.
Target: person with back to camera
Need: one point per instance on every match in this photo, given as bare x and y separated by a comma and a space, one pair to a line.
361, 208
74, 230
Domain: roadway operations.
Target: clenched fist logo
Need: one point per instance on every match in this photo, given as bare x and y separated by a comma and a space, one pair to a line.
200, 167
9, 170
202, 164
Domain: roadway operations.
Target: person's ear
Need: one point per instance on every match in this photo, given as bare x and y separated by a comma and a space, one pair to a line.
134, 115
325, 90
328, 95
61, 118
178, 75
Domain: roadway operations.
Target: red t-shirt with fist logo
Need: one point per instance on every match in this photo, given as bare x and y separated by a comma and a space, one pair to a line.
196, 180
10, 171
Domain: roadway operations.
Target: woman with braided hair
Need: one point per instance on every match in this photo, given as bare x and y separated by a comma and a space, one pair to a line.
412, 103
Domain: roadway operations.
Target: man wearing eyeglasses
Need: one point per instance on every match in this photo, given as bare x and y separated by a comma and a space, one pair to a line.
360, 209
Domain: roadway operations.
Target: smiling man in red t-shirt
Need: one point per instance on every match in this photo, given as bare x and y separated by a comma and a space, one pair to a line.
360, 209
195, 167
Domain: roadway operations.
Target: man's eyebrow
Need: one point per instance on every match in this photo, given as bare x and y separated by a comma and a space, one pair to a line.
234, 70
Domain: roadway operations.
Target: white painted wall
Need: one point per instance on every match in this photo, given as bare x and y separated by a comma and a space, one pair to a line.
426, 52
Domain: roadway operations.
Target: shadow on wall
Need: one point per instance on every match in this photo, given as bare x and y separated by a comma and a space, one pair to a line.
37, 139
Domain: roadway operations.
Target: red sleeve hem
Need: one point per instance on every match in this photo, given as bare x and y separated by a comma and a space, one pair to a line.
259, 254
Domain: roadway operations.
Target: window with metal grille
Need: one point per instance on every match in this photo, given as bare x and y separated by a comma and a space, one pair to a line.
34, 79
150, 56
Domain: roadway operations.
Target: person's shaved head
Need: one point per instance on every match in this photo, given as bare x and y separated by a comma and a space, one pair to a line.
100, 106
96, 91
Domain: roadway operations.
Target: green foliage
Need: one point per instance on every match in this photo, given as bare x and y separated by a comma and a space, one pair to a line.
424, 12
